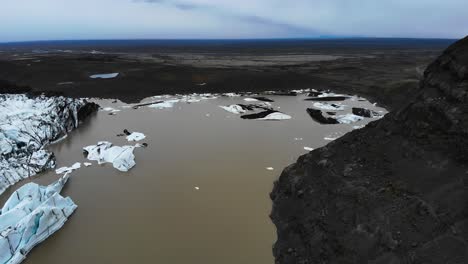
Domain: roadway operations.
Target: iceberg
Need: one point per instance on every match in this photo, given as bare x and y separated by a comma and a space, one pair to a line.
104, 75
328, 106
29, 216
27, 125
122, 158
251, 100
235, 109
136, 136
348, 118
165, 104
66, 170
276, 116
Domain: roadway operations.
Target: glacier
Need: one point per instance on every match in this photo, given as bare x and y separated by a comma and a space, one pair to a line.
29, 216
27, 126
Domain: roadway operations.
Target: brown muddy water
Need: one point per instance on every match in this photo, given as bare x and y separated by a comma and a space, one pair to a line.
199, 192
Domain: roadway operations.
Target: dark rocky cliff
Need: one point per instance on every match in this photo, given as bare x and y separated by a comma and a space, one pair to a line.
393, 192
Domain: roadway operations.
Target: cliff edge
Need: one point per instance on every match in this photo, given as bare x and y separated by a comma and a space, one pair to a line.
393, 192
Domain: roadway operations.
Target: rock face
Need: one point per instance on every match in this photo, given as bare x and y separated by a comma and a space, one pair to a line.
393, 192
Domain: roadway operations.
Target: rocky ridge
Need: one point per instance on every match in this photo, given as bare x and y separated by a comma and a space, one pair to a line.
393, 192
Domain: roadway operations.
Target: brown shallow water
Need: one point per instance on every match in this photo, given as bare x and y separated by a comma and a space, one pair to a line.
154, 213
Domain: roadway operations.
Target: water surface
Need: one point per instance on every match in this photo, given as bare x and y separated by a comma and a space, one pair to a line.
198, 194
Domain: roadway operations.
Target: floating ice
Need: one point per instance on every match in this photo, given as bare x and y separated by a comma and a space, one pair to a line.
87, 164
27, 125
308, 148
235, 109
136, 136
29, 216
231, 94
330, 138
270, 168
276, 116
65, 170
122, 158
348, 118
328, 106
165, 104
251, 100
110, 109
104, 75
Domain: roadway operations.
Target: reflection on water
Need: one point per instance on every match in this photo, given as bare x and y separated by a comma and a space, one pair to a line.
198, 194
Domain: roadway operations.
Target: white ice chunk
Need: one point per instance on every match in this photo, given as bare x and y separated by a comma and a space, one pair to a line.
29, 216
328, 106
165, 104
87, 164
270, 168
104, 75
110, 109
349, 118
276, 116
235, 109
308, 148
136, 136
122, 158
251, 100
231, 94
65, 170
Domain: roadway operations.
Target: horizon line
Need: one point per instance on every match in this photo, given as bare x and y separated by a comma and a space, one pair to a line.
226, 39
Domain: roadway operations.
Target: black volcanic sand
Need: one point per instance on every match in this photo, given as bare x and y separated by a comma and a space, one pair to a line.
393, 192
381, 70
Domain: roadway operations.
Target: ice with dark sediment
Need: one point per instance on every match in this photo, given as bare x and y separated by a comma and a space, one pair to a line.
31, 215
235, 109
121, 157
136, 136
27, 125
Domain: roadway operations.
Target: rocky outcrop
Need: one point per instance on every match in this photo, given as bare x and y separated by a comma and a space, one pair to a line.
393, 192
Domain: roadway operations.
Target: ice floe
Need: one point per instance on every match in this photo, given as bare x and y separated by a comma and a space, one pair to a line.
104, 75
136, 136
235, 109
328, 106
65, 170
87, 164
164, 104
276, 116
110, 109
270, 168
122, 158
348, 118
27, 125
250, 99
29, 216
308, 148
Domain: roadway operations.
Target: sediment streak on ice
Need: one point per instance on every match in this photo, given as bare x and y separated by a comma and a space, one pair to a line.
29, 216
27, 125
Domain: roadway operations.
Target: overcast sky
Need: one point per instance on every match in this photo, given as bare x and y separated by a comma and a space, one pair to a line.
127, 19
